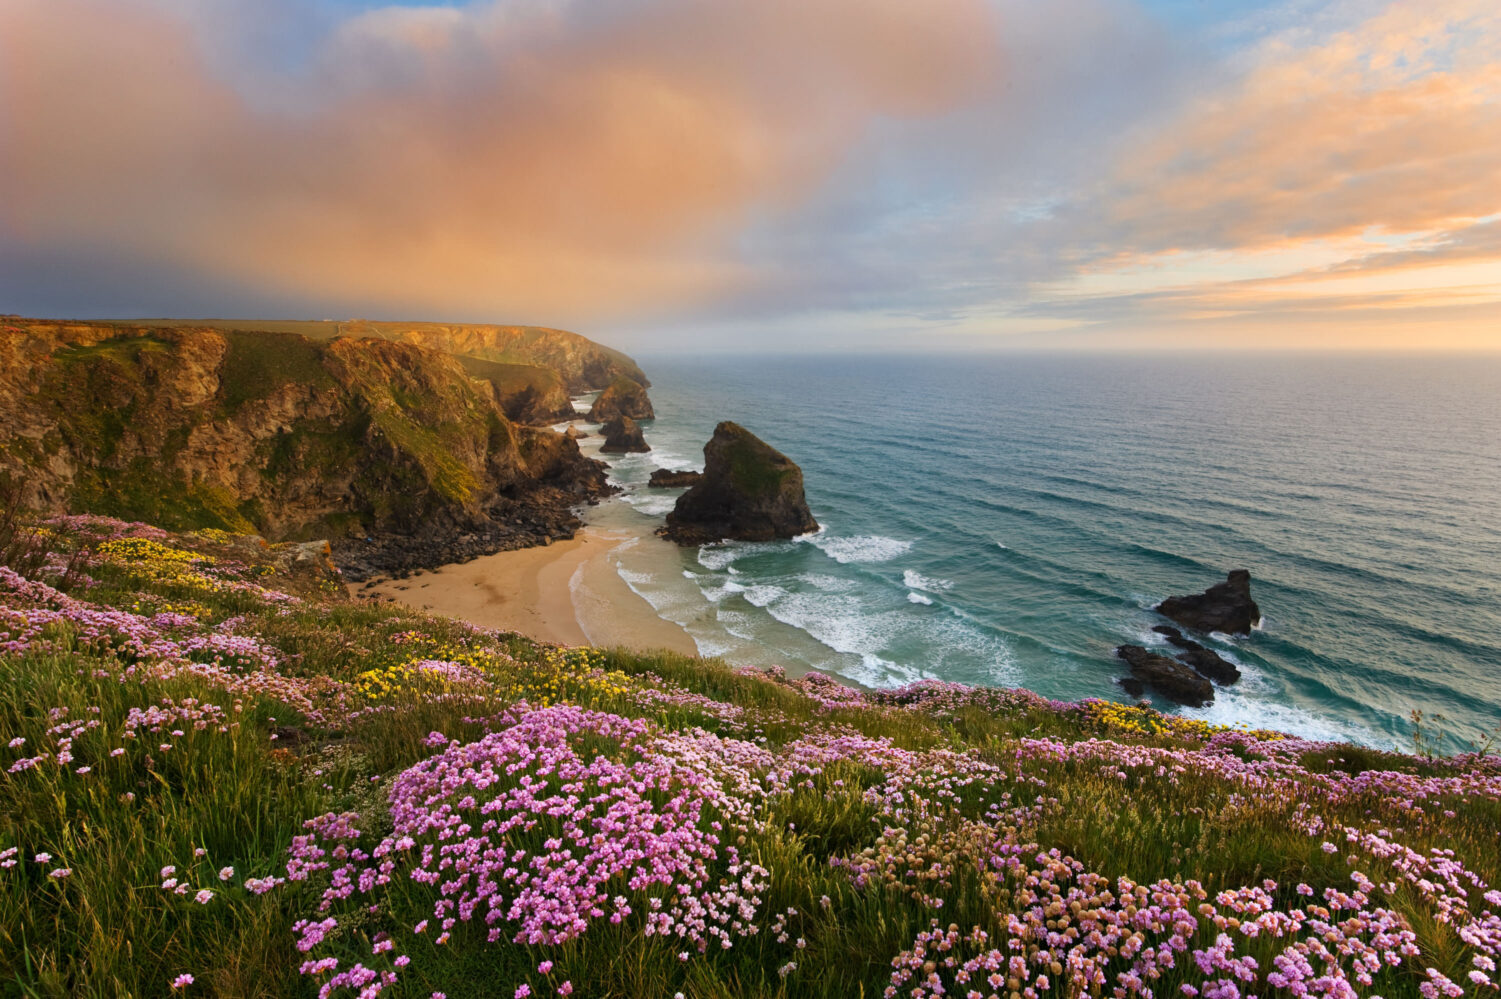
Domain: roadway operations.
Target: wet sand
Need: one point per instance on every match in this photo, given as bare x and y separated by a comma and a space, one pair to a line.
567, 592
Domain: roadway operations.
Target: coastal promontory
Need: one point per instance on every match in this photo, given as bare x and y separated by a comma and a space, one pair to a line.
749, 491
389, 450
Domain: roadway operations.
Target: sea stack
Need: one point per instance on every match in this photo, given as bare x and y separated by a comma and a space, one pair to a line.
1225, 607
623, 436
1206, 661
622, 397
664, 478
749, 491
1168, 677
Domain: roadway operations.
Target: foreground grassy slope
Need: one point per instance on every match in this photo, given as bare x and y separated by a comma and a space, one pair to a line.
223, 778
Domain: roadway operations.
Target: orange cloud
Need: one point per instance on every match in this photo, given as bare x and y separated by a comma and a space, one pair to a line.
497, 160
1390, 125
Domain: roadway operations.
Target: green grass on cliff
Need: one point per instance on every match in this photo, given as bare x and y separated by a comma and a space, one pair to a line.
257, 364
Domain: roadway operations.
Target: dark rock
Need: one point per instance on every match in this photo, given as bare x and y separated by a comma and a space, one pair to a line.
664, 478
1206, 661
622, 397
749, 491
1132, 686
1168, 677
623, 436
1226, 607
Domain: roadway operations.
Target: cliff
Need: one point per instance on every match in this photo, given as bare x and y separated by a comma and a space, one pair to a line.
749, 491
527, 393
584, 365
391, 450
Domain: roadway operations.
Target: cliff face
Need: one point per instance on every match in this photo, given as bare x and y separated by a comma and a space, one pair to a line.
528, 394
584, 365
279, 434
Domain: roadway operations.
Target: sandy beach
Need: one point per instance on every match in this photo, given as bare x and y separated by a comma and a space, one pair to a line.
567, 592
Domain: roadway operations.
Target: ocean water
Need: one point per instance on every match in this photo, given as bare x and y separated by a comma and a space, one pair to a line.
1010, 520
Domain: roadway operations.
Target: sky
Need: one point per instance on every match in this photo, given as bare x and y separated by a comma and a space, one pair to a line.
729, 175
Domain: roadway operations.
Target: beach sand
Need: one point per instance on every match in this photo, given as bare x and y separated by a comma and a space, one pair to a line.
567, 592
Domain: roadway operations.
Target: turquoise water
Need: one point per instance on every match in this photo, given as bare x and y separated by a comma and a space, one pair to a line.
1010, 520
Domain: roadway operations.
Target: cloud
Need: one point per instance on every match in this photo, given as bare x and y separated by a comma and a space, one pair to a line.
532, 159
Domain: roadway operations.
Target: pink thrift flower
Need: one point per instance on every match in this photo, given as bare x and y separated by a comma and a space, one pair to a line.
225, 873
566, 989
544, 967
182, 981
61, 872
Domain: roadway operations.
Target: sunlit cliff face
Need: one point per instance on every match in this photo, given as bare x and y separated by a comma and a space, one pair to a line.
855, 172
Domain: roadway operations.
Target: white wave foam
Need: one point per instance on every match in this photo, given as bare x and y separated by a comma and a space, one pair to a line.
914, 580
862, 548
715, 557
651, 505
917, 598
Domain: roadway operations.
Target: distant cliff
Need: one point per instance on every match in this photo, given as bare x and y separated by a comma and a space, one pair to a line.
350, 439
585, 366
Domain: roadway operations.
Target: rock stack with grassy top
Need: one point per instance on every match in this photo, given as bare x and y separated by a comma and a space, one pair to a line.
749, 491
622, 397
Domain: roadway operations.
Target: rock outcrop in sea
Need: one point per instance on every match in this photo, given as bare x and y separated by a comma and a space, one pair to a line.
622, 397
623, 436
1206, 661
1225, 607
1167, 677
666, 478
749, 491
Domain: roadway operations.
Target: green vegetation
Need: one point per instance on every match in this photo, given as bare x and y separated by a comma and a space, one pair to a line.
752, 469
216, 768
257, 364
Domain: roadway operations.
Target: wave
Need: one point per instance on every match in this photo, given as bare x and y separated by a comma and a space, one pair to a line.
914, 580
914, 597
861, 548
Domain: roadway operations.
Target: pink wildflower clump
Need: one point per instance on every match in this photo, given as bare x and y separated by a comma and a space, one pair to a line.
536, 840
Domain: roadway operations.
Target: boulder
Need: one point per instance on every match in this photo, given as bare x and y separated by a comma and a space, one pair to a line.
623, 436
1168, 677
574, 433
622, 397
1206, 661
664, 478
1226, 607
749, 491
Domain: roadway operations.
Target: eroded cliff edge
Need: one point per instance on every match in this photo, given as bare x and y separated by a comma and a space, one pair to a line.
390, 450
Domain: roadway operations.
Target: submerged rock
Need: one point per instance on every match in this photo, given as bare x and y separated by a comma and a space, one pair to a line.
664, 478
1206, 661
623, 436
749, 491
1168, 677
1226, 607
622, 397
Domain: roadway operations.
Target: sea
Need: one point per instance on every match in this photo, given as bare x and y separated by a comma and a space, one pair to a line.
1008, 520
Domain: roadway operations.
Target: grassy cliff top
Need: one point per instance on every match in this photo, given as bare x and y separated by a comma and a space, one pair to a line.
223, 777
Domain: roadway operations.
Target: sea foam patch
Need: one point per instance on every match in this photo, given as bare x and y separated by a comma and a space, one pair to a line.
914, 580
861, 548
